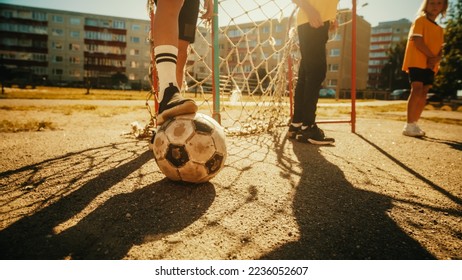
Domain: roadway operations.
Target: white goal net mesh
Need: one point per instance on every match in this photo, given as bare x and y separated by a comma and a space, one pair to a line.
257, 57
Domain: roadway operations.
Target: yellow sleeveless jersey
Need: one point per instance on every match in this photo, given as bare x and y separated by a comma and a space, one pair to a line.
327, 9
433, 37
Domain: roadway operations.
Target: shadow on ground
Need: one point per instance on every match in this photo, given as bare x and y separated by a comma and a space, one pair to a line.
108, 232
337, 220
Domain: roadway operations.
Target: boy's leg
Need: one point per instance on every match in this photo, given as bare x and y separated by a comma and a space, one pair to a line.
313, 51
299, 108
181, 61
171, 103
187, 34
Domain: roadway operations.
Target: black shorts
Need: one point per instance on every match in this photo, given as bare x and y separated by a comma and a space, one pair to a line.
187, 20
426, 76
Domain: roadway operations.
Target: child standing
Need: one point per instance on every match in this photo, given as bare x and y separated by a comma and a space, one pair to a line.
313, 24
421, 60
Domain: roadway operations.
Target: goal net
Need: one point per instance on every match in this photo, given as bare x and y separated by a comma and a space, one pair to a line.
254, 47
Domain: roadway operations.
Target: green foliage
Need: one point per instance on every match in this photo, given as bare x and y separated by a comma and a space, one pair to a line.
449, 79
392, 76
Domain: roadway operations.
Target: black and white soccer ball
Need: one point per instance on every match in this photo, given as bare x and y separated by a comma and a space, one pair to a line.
190, 148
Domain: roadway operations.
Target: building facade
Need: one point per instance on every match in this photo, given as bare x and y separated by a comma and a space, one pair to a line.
384, 36
76, 49
259, 47
70, 48
339, 53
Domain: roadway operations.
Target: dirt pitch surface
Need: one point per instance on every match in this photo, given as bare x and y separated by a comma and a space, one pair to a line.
90, 190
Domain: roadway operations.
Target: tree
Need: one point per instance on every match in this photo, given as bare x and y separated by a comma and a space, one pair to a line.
119, 80
392, 77
449, 79
5, 74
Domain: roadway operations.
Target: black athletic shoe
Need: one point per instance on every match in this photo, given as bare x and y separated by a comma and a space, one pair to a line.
314, 135
293, 131
173, 104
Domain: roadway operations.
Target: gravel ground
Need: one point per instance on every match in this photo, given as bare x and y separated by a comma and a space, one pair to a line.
89, 190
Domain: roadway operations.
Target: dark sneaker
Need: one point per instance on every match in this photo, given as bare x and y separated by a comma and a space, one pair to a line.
314, 135
173, 104
293, 130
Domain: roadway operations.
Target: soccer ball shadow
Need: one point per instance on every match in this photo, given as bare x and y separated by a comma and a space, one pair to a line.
190, 148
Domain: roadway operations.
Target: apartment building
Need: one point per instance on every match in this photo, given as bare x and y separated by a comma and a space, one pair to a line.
384, 36
69, 48
339, 53
249, 48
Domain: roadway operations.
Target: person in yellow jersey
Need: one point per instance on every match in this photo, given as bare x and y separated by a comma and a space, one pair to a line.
421, 60
314, 20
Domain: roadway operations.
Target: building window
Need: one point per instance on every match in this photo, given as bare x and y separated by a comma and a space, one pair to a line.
118, 24
25, 28
337, 37
24, 14
234, 33
55, 71
134, 64
74, 34
120, 38
57, 45
134, 52
105, 23
334, 52
135, 39
57, 19
39, 57
333, 67
279, 28
74, 21
74, 73
40, 16
58, 59
136, 27
74, 60
332, 83
91, 22
6, 13
39, 70
25, 43
57, 32
40, 30
378, 54
74, 47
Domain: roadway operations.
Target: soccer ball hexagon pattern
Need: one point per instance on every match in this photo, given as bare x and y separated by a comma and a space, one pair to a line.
190, 148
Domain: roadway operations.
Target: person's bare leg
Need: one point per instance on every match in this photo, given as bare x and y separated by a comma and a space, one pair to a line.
414, 102
421, 102
415, 105
166, 22
181, 61
165, 36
